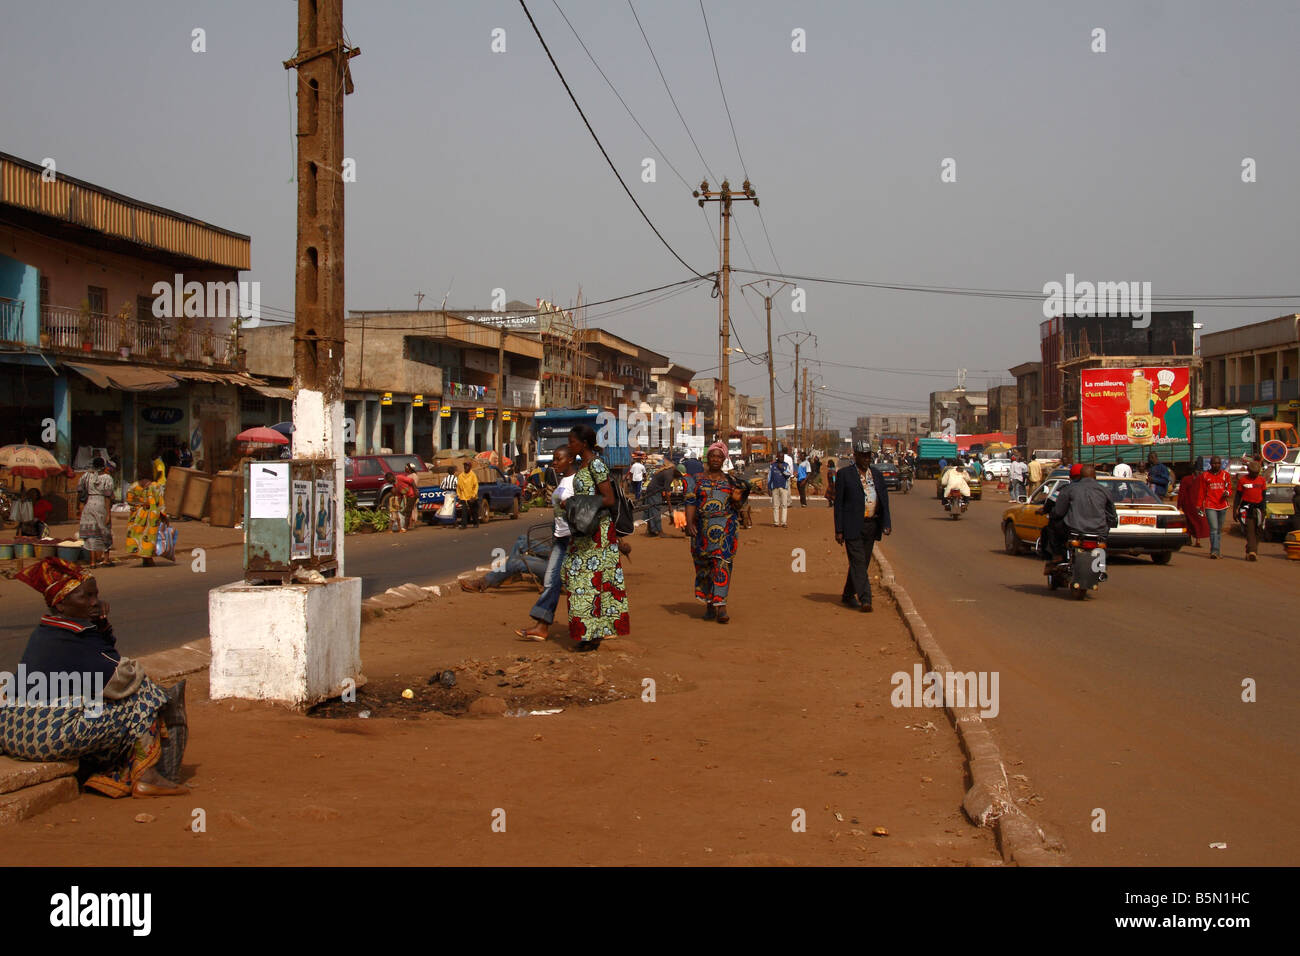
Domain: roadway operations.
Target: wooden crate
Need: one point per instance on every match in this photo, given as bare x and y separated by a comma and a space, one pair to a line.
226, 502
194, 503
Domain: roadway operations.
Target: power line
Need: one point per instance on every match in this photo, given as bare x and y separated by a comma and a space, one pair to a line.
718, 74
672, 98
599, 144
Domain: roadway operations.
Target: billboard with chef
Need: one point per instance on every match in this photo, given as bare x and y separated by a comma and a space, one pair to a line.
1135, 406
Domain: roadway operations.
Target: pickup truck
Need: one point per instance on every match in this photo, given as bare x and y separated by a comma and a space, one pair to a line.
495, 493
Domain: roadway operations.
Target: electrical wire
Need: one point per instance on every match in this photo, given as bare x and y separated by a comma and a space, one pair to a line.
600, 145
718, 74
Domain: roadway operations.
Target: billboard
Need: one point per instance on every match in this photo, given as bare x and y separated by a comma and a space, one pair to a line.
1134, 406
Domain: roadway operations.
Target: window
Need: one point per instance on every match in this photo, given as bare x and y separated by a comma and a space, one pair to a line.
367, 467
97, 296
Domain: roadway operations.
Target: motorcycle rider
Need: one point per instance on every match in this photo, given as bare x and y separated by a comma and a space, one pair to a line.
954, 479
1082, 507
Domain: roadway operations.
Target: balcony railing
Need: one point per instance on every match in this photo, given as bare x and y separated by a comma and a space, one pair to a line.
97, 334
11, 320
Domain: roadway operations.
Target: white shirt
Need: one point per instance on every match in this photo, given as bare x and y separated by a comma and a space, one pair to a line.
727, 465
637, 471
1122, 470
563, 491
789, 466
1019, 470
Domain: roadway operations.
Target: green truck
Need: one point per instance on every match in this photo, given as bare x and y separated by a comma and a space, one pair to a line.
928, 453
1228, 433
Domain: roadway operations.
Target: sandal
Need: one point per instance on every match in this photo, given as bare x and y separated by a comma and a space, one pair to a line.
526, 635
723, 616
710, 612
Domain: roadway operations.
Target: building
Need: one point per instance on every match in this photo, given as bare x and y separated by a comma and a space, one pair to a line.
1003, 410
709, 389
1254, 366
1065, 338
899, 426
750, 411
119, 322
414, 382
618, 371
968, 410
1029, 399
673, 395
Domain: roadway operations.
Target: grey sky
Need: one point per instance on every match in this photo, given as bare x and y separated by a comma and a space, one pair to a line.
1115, 166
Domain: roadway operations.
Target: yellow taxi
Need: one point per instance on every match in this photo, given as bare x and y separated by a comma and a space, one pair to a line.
1147, 525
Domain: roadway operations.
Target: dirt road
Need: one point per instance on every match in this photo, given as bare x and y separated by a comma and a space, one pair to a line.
780, 715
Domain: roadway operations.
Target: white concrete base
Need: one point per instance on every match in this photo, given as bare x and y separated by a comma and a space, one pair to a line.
296, 643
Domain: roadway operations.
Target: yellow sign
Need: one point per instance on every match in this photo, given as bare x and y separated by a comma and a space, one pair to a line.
444, 412
387, 399
417, 402
505, 416
478, 413
1293, 405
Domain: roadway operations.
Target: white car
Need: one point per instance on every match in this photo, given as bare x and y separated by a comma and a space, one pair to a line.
998, 466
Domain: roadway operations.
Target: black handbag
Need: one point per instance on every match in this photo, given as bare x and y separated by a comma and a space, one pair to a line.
583, 513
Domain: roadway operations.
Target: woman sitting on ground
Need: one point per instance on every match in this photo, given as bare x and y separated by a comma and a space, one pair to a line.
128, 732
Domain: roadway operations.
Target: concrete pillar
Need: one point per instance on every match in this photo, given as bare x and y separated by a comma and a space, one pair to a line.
361, 428
455, 430
376, 427
130, 440
1255, 358
62, 421
408, 430
491, 433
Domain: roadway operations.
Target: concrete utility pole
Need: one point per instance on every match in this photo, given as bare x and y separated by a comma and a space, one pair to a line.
724, 197
771, 374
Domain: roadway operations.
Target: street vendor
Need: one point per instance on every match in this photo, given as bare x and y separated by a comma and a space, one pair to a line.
125, 729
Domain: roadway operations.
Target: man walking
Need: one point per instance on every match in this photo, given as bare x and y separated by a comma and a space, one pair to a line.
803, 481
1157, 476
1248, 507
778, 482
656, 494
861, 517
1217, 484
1017, 474
636, 475
467, 496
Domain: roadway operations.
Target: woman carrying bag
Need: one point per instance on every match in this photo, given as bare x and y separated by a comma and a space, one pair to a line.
593, 573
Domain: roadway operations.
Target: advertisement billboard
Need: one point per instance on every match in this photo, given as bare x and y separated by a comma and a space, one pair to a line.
1135, 406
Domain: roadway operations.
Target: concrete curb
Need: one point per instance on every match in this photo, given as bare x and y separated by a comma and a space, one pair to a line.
988, 802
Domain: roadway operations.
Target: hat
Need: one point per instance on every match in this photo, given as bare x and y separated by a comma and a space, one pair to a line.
862, 445
54, 578
718, 446
1165, 377
1076, 472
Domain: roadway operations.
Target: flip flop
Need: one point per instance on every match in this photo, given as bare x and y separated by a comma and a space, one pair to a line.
525, 636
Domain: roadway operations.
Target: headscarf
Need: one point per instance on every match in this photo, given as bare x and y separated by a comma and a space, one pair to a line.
54, 578
717, 446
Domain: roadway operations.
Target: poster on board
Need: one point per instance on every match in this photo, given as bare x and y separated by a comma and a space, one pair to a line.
300, 521
1134, 406
324, 524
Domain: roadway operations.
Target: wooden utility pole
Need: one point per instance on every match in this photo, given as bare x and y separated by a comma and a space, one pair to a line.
799, 338
319, 334
771, 373
804, 438
724, 197
501, 387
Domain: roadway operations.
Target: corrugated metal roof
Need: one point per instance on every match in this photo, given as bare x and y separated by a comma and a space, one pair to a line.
92, 207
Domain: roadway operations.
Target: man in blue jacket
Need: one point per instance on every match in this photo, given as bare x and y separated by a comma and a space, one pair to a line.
861, 518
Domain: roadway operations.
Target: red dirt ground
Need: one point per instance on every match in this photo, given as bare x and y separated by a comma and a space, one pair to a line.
785, 708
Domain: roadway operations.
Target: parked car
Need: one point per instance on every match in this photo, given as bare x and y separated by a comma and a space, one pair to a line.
1279, 506
1147, 525
363, 475
997, 467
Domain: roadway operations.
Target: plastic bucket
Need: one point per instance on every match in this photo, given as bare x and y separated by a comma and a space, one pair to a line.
6, 552
46, 550
69, 553
24, 550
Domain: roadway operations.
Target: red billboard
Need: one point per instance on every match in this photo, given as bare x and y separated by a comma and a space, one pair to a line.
1135, 406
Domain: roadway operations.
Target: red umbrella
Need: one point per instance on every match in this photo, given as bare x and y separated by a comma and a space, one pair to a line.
29, 461
262, 434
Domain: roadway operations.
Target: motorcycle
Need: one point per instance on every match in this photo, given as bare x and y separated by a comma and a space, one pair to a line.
954, 504
1084, 567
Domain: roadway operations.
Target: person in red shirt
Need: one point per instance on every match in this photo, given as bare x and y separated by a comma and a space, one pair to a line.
1248, 507
1191, 502
1217, 485
404, 485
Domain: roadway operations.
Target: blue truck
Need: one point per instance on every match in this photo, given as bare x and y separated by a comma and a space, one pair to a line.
551, 430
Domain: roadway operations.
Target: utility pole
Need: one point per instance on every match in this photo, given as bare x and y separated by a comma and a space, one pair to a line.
804, 434
771, 373
319, 335
501, 387
724, 197
799, 338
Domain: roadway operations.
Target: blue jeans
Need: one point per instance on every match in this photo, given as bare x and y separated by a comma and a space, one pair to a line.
517, 563
552, 585
653, 503
1216, 517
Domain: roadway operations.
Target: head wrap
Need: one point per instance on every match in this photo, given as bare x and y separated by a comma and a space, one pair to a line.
718, 446
54, 578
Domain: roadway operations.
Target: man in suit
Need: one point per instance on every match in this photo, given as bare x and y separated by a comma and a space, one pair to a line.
861, 518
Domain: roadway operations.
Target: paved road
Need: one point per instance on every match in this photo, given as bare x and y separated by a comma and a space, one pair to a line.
1131, 700
161, 607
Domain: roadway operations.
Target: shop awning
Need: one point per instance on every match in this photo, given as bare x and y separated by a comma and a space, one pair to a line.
271, 391
127, 378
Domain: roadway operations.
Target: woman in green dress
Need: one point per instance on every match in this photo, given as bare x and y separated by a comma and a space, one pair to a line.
593, 574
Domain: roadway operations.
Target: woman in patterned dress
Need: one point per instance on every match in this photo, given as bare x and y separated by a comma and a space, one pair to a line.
146, 497
96, 529
713, 504
593, 574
